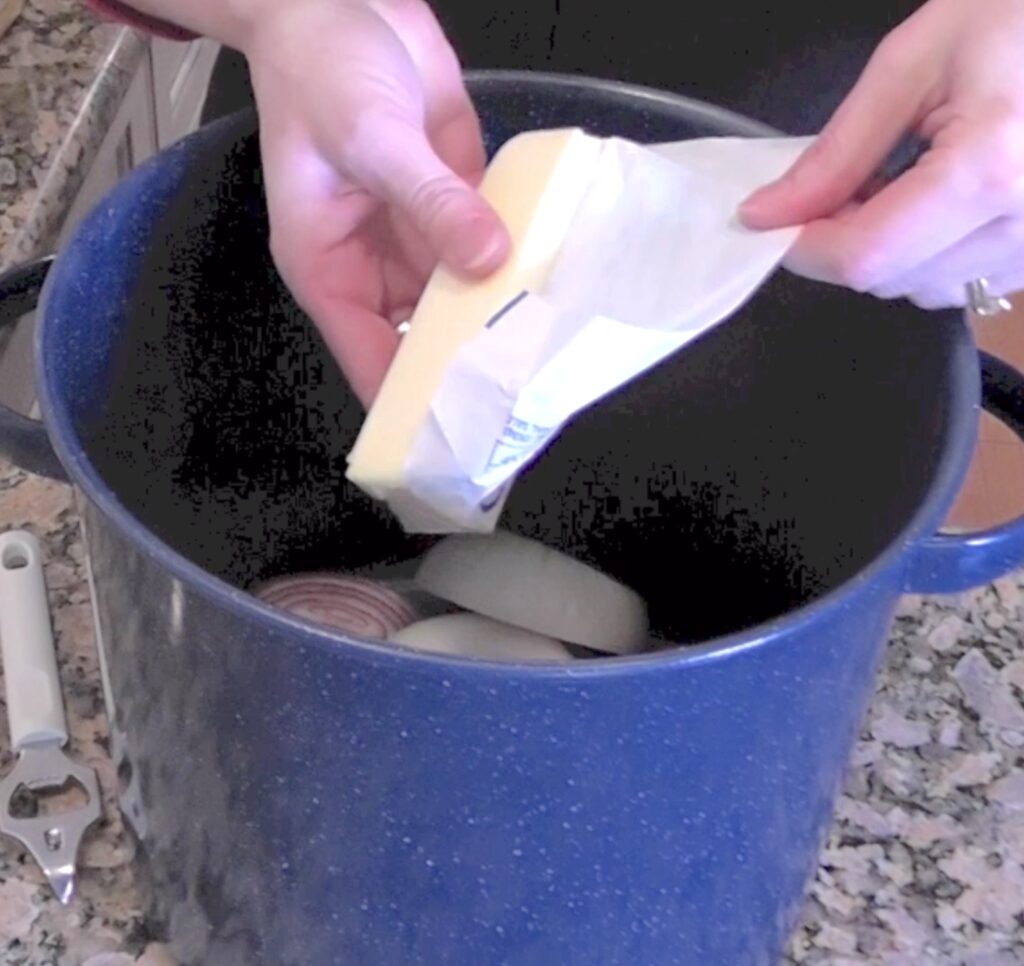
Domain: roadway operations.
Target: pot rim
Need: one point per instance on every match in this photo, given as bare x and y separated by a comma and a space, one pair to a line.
951, 471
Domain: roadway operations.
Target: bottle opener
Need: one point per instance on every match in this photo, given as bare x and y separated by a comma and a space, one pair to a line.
35, 712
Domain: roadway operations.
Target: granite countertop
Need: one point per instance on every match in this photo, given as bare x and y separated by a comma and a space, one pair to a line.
63, 75
925, 861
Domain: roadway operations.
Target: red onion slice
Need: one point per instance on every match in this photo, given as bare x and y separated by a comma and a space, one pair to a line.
348, 604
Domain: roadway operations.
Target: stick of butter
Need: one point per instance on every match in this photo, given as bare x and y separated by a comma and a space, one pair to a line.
535, 182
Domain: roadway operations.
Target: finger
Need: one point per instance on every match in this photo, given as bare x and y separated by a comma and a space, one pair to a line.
458, 144
892, 95
461, 229
394, 161
340, 288
936, 299
456, 133
407, 267
310, 213
932, 297
330, 275
449, 115
931, 208
334, 288
944, 294
326, 285
456, 138
993, 250
363, 343
334, 281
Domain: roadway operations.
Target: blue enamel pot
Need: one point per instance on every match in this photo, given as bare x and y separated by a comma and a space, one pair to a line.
303, 797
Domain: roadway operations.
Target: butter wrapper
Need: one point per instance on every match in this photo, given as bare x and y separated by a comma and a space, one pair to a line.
655, 256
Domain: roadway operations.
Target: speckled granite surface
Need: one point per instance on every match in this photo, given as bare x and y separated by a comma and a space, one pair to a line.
925, 862
34, 927
63, 75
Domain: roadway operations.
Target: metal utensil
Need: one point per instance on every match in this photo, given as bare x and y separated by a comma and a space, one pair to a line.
981, 302
35, 712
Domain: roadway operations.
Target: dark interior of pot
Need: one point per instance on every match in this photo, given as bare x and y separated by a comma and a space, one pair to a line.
745, 476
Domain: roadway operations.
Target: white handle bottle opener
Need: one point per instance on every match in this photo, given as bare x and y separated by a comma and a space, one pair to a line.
35, 712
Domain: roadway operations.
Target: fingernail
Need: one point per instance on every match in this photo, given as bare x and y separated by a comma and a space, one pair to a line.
480, 245
768, 207
758, 198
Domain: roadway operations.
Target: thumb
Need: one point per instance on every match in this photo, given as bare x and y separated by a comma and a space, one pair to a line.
397, 164
887, 101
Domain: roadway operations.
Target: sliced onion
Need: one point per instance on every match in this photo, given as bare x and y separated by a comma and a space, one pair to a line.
527, 584
349, 604
471, 635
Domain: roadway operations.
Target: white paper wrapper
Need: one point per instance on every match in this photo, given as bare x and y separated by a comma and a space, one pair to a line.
655, 256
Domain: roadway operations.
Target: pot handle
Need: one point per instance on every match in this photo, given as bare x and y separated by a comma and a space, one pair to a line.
951, 563
22, 440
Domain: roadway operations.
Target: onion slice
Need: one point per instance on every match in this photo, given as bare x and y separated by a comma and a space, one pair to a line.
348, 604
527, 584
470, 635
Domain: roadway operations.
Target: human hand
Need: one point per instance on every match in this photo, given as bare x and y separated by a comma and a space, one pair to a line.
371, 153
954, 74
